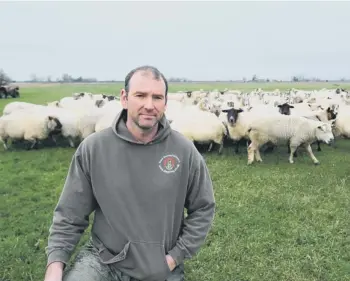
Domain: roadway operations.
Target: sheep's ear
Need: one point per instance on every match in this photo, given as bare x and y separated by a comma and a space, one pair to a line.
50, 118
322, 127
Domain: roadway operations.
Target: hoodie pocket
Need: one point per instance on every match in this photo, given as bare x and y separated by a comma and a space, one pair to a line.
146, 261
107, 257
141, 260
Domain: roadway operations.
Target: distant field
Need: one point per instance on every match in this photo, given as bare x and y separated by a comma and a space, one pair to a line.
274, 221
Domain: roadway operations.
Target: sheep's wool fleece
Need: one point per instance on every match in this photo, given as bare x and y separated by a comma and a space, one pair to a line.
138, 192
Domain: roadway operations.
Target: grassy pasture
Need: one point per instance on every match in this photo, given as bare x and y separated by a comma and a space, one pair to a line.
274, 221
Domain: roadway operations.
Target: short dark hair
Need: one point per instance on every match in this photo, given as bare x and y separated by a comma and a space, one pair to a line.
147, 68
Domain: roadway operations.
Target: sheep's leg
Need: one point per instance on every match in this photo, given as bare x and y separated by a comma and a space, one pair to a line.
248, 142
5, 144
210, 146
71, 142
251, 149
293, 148
237, 147
257, 155
33, 141
295, 152
312, 156
221, 146
54, 139
334, 144
319, 146
34, 144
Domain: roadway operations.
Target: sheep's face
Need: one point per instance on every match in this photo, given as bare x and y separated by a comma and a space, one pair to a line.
216, 109
145, 101
54, 124
284, 109
230, 104
232, 115
79, 96
324, 133
332, 112
99, 103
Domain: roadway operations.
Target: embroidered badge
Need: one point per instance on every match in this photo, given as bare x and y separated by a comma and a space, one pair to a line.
169, 163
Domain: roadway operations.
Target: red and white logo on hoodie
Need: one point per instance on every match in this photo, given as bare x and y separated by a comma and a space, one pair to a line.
169, 163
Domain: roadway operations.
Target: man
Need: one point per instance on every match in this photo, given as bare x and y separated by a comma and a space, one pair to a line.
137, 176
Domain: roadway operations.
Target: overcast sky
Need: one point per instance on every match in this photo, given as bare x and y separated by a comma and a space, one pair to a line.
196, 40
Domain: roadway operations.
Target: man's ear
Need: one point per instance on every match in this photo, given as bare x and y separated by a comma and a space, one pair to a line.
124, 98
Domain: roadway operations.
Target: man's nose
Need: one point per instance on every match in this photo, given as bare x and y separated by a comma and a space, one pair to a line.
149, 103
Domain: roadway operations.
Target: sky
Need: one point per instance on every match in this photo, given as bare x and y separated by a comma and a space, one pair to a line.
194, 40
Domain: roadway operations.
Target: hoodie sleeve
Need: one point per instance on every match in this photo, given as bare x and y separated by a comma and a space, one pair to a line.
200, 205
71, 214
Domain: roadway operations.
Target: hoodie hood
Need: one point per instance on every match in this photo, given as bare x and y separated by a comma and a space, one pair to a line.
119, 128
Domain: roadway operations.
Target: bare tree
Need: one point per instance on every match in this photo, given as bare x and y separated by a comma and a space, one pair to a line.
4, 78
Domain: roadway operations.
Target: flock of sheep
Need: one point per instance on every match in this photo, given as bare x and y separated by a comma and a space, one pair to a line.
258, 118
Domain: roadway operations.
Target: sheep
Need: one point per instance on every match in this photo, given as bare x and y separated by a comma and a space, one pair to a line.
105, 121
201, 127
17, 105
82, 105
324, 115
70, 125
297, 130
238, 122
34, 127
76, 125
215, 107
342, 124
176, 97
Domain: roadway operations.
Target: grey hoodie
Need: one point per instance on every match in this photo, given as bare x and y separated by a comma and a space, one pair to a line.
138, 192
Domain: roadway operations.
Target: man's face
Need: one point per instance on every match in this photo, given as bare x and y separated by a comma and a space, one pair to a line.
145, 101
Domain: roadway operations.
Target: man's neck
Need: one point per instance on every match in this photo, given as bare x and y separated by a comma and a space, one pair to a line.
141, 135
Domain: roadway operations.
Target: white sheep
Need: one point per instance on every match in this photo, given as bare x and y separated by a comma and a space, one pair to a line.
201, 127
237, 122
21, 126
18, 105
297, 130
105, 121
110, 110
342, 123
324, 115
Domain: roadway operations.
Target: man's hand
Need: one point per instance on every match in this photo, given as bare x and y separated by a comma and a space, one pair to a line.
54, 272
171, 262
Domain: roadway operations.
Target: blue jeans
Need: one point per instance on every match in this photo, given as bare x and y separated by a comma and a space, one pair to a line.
87, 267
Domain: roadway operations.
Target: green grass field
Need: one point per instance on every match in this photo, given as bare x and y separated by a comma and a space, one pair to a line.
274, 221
